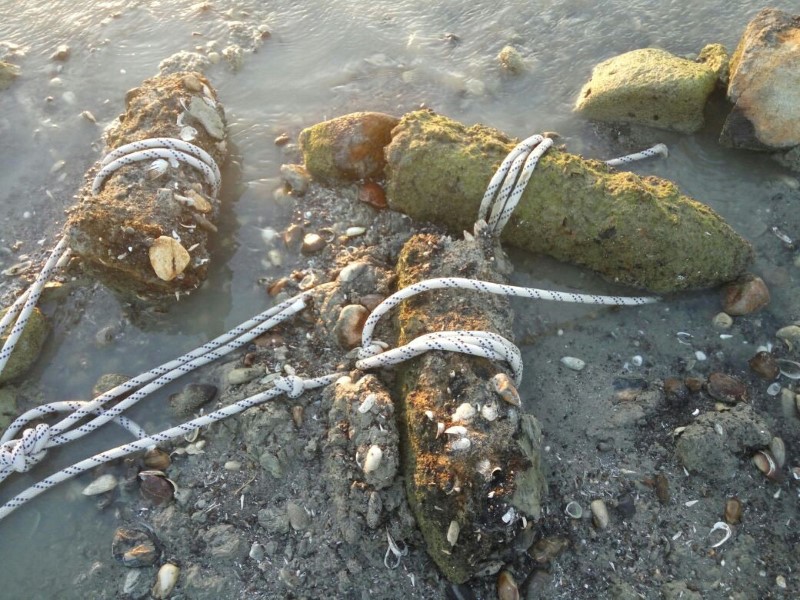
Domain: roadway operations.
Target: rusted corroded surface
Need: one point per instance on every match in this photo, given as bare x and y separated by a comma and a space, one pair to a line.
113, 231
500, 470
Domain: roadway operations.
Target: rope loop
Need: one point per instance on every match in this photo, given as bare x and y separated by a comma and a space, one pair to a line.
374, 348
291, 385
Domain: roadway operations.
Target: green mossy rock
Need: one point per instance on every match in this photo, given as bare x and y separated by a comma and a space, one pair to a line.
649, 87
28, 347
637, 231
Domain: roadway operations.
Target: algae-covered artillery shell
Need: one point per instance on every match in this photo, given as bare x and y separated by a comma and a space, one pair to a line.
638, 231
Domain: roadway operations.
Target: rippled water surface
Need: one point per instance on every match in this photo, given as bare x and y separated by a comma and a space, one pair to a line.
323, 58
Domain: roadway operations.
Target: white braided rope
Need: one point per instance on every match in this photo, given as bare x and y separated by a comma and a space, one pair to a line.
209, 169
658, 149
368, 345
509, 181
291, 386
24, 305
158, 377
21, 455
476, 343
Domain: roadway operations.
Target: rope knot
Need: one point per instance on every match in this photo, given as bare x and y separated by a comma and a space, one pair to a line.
371, 350
291, 385
22, 454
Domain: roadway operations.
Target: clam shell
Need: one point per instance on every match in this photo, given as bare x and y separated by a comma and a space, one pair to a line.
489, 411
166, 580
789, 368
465, 412
156, 168
188, 133
168, 258
778, 449
506, 389
456, 430
600, 516
452, 532
506, 587
101, 485
573, 510
367, 403
462, 443
373, 460
765, 463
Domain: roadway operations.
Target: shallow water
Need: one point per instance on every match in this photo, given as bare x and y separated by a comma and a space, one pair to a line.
322, 59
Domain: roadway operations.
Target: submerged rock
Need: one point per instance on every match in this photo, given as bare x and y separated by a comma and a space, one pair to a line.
764, 84
711, 444
633, 230
28, 346
484, 475
649, 87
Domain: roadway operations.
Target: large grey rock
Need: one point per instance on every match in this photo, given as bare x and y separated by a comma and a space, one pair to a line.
649, 87
712, 444
765, 84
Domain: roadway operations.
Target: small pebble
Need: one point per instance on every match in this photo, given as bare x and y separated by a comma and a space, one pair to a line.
312, 242
745, 296
722, 321
599, 514
372, 194
61, 54
299, 518
726, 388
233, 465
576, 364
349, 325
282, 139
765, 366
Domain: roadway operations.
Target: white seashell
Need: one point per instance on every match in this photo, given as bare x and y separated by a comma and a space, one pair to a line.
774, 389
599, 514
465, 412
188, 133
489, 411
576, 364
166, 580
721, 525
637, 361
452, 532
156, 168
192, 435
505, 388
456, 430
367, 403
355, 231
700, 355
509, 515
789, 368
373, 460
168, 258
439, 429
778, 449
574, 510
430, 415
461, 443
101, 485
